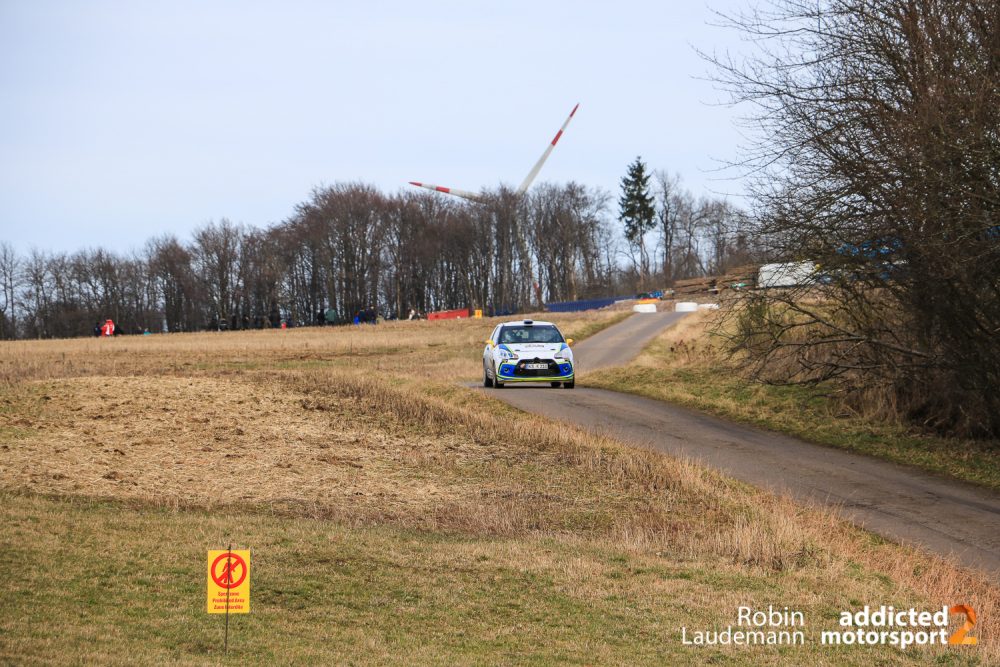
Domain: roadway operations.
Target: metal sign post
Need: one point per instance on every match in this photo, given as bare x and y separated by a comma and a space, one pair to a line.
229, 568
228, 585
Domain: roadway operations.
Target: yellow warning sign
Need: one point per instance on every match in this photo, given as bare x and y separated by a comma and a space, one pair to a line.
229, 582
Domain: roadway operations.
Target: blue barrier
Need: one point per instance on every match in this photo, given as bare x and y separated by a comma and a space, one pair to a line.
586, 304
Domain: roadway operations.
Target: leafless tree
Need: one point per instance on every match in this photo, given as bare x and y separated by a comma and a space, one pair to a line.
172, 275
565, 225
878, 153
10, 283
216, 262
667, 191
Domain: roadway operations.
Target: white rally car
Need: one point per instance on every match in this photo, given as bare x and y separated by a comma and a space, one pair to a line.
528, 351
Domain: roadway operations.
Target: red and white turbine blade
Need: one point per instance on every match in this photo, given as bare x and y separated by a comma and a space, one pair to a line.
545, 156
465, 194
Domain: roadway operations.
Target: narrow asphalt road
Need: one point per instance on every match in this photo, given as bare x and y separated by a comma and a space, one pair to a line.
621, 343
902, 503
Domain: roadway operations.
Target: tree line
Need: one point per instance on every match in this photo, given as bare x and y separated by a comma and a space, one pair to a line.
351, 247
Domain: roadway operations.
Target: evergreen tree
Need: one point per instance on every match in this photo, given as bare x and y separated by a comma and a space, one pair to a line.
636, 212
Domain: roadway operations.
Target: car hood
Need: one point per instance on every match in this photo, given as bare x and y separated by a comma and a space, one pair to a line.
530, 349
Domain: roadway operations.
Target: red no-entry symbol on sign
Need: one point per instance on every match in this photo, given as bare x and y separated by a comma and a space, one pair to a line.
228, 570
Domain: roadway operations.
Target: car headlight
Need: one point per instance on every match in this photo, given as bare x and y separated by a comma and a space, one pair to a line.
504, 354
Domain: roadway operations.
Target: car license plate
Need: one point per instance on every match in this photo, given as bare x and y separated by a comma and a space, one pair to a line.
536, 367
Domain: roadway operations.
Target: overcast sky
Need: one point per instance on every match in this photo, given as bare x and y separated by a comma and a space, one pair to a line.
124, 120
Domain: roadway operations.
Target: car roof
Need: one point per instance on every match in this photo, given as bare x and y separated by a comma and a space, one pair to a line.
529, 322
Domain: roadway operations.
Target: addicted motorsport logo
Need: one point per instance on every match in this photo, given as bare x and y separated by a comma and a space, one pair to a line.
883, 625
901, 628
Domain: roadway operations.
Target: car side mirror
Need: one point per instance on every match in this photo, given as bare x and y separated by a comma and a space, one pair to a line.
569, 341
488, 341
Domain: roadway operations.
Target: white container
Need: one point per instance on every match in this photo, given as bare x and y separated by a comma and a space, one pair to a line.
788, 274
685, 307
644, 307
708, 306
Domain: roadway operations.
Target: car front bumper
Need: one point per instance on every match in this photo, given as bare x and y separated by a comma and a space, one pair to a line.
515, 371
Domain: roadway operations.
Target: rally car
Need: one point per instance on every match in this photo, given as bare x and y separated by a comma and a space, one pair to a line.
528, 351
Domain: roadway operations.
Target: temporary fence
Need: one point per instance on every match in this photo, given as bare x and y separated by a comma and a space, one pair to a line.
586, 304
448, 314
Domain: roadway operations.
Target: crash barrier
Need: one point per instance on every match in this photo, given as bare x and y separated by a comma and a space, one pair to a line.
586, 304
708, 306
448, 314
685, 307
644, 308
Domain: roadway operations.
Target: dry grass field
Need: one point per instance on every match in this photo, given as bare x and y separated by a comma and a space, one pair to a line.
394, 516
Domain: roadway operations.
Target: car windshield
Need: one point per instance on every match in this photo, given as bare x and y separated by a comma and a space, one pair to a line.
519, 334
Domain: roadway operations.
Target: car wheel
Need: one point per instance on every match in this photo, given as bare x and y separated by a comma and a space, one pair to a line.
487, 380
496, 379
555, 384
569, 385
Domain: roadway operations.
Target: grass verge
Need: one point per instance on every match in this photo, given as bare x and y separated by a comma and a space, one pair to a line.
684, 366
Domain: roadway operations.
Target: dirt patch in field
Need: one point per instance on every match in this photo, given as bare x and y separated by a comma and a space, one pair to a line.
205, 441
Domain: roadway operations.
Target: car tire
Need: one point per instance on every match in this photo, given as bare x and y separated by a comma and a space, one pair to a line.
569, 385
497, 384
487, 380
555, 384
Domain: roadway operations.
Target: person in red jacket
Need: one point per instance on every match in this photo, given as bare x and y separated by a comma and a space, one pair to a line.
108, 329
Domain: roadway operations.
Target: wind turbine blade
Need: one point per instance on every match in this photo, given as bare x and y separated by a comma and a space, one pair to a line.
465, 194
545, 156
